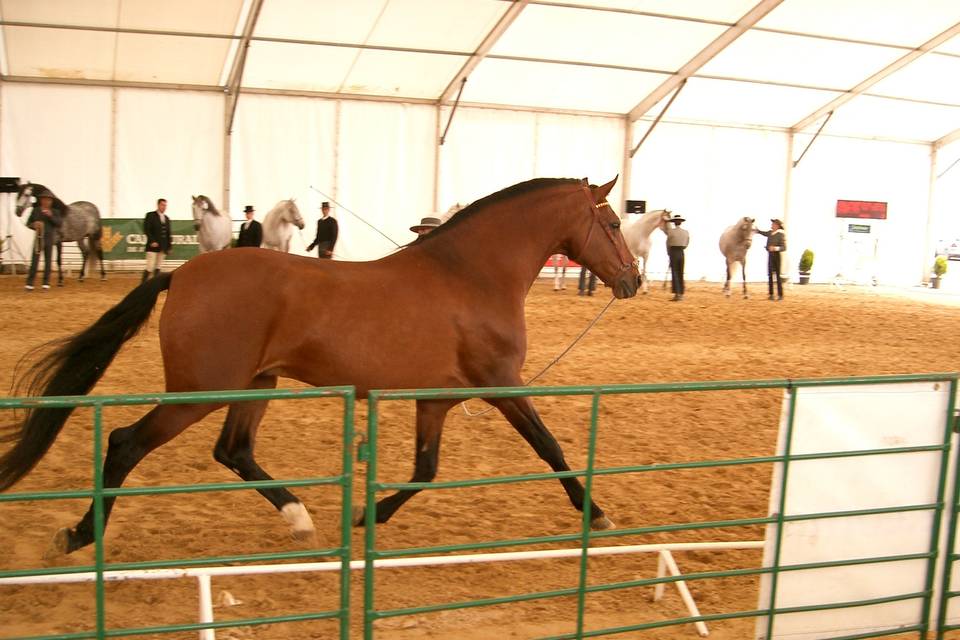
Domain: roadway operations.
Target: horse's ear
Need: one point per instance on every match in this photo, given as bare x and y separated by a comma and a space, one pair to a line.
607, 188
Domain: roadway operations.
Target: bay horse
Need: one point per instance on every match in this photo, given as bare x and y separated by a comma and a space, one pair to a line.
734, 243
390, 335
637, 235
80, 224
278, 225
214, 229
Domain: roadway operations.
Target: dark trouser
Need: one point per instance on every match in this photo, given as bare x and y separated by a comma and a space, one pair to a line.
47, 259
773, 268
583, 284
322, 248
676, 269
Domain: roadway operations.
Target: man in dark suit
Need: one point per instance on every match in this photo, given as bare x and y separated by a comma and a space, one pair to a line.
251, 231
156, 226
327, 232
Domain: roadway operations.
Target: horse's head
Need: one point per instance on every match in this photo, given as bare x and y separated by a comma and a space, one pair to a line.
664, 221
747, 227
25, 197
606, 253
292, 213
199, 206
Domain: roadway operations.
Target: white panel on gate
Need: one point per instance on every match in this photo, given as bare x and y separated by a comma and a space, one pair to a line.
854, 418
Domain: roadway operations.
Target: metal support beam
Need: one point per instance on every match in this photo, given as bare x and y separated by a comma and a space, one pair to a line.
929, 45
809, 144
236, 73
953, 136
753, 16
657, 119
498, 30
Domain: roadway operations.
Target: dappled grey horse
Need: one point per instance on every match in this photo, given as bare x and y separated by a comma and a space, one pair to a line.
214, 229
279, 223
734, 243
637, 235
80, 224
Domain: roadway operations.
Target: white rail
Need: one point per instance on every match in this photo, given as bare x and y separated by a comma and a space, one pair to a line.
205, 574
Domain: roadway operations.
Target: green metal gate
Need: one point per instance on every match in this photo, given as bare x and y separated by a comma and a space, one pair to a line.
367, 450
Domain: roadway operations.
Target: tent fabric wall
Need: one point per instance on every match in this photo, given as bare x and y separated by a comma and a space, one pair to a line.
57, 136
712, 176
281, 147
122, 148
845, 169
168, 145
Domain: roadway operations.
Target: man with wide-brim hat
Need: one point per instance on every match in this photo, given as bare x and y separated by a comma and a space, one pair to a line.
776, 245
44, 219
677, 241
426, 225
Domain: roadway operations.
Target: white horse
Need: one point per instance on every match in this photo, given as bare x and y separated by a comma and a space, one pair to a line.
214, 229
637, 235
734, 243
278, 225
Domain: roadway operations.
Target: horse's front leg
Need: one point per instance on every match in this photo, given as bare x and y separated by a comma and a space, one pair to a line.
644, 284
430, 417
527, 422
743, 267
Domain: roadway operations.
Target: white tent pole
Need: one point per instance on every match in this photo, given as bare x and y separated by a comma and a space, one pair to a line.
626, 165
927, 261
788, 191
436, 160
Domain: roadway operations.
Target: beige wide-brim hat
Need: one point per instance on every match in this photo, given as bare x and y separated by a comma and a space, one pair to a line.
426, 223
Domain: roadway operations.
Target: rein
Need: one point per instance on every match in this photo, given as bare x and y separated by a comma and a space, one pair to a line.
550, 364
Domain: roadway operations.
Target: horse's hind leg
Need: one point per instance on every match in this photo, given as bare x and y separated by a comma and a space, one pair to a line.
81, 244
430, 417
127, 447
726, 283
59, 248
524, 418
234, 450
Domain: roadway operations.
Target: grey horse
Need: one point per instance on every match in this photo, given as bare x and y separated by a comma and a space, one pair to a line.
734, 243
81, 224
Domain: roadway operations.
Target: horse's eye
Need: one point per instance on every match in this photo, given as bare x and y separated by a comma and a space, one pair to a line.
615, 225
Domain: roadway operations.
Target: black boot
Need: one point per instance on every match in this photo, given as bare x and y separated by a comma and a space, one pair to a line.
156, 272
143, 278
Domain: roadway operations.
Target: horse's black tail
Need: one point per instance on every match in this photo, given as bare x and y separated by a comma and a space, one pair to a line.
71, 366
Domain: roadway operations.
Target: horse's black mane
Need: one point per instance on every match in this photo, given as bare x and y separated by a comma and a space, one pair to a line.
57, 202
503, 194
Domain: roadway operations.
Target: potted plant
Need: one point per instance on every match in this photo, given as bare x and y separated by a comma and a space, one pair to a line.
806, 262
939, 268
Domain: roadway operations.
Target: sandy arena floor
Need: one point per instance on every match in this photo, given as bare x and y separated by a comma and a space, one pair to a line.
817, 331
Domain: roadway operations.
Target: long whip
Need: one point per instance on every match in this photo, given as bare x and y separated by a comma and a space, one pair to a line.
354, 214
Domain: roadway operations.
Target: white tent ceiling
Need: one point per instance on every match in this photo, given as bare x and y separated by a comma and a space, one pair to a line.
885, 68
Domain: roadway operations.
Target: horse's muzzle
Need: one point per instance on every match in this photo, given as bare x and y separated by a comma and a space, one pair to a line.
626, 284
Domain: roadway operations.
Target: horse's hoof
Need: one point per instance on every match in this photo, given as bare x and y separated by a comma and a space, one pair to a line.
602, 523
301, 526
357, 517
59, 545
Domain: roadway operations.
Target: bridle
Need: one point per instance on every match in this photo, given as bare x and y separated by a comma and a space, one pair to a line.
628, 261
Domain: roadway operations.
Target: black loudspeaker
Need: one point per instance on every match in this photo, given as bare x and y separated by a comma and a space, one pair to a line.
636, 206
9, 185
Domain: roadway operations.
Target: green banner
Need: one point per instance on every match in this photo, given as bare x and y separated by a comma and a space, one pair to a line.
123, 239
